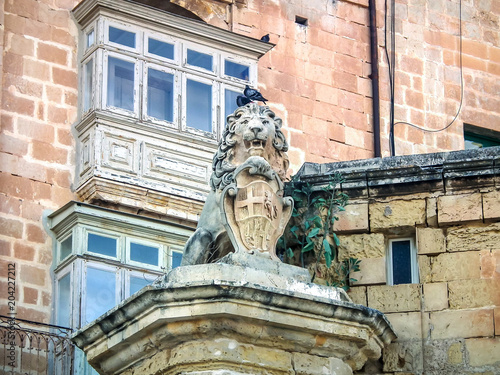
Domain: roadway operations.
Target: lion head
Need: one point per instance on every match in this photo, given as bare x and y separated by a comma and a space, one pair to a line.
252, 130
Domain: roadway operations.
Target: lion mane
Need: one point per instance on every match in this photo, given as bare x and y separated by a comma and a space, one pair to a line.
222, 169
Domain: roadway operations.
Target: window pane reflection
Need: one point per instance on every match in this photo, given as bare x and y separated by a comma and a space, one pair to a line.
144, 254
101, 293
66, 247
137, 283
102, 245
88, 77
199, 105
199, 59
90, 39
120, 84
160, 95
236, 70
162, 49
176, 259
64, 301
119, 36
230, 101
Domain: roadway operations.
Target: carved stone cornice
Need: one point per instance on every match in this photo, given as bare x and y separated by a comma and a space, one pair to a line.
410, 174
141, 199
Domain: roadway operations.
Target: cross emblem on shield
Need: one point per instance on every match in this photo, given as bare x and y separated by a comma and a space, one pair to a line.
255, 211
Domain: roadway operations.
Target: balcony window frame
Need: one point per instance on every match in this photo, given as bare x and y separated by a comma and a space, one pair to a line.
125, 27
165, 38
105, 88
176, 95
145, 22
216, 130
162, 254
78, 219
118, 292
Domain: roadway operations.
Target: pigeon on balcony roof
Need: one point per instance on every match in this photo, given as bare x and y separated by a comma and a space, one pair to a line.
265, 38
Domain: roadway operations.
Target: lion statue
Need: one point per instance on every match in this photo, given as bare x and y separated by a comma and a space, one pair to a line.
252, 130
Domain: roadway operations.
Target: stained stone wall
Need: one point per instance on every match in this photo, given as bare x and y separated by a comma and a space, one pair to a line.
448, 322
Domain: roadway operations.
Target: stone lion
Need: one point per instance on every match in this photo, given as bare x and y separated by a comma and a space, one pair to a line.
252, 130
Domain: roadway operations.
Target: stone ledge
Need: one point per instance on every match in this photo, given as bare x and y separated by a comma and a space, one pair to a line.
408, 174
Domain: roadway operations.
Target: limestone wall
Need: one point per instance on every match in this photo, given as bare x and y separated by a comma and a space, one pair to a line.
448, 322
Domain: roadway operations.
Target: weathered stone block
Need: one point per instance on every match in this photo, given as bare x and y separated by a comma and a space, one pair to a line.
491, 205
362, 246
455, 353
430, 241
397, 213
435, 296
461, 324
465, 294
249, 357
483, 351
403, 357
408, 326
353, 219
467, 238
455, 266
372, 271
490, 264
424, 269
459, 208
305, 364
358, 295
431, 212
394, 298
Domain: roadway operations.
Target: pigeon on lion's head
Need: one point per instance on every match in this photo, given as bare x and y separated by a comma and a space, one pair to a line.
252, 130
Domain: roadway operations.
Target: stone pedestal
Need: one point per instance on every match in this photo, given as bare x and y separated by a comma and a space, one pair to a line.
240, 316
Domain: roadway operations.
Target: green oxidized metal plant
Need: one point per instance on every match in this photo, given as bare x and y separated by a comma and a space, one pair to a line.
310, 240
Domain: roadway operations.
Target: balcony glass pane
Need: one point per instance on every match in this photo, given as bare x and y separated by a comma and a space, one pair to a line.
137, 283
88, 78
90, 39
144, 254
230, 101
199, 59
101, 245
64, 301
199, 105
120, 84
236, 70
123, 37
162, 49
66, 248
401, 262
176, 259
160, 95
100, 293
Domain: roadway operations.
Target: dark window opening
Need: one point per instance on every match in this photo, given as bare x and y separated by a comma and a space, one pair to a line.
301, 20
401, 262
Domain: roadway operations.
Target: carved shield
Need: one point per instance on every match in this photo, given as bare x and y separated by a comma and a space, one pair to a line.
257, 212
254, 210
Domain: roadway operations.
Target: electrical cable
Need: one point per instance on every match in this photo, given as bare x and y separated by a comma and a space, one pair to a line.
392, 82
461, 87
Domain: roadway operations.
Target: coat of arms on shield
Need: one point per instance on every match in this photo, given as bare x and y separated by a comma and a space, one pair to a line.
254, 208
